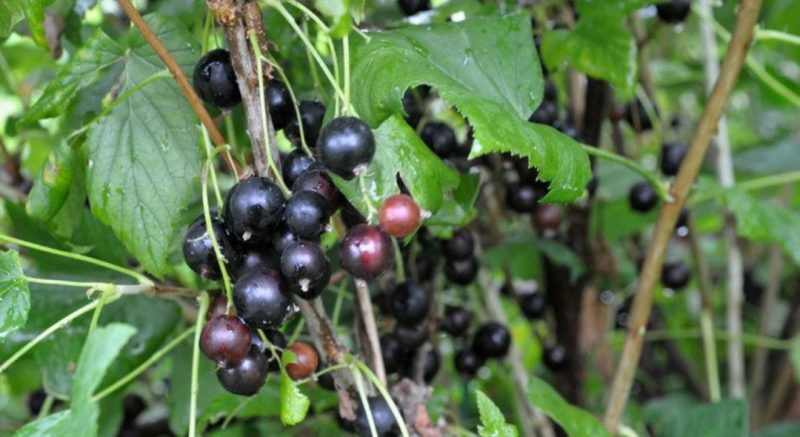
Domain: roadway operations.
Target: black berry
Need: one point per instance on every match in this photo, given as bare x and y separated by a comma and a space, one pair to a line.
215, 81
675, 275
642, 197
198, 250
410, 302
411, 337
294, 165
253, 208
555, 357
392, 353
671, 158
318, 181
346, 146
283, 238
522, 197
255, 259
306, 214
461, 272
311, 113
636, 115
261, 299
225, 339
306, 268
440, 138
673, 11
456, 320
533, 305
492, 340
246, 377
467, 362
382, 418
546, 113
366, 252
412, 108
281, 106
460, 246
411, 7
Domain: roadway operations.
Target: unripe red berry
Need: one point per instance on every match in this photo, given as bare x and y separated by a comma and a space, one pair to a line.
399, 216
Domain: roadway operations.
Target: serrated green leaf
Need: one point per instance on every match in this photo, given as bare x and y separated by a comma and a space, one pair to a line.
400, 151
678, 416
144, 157
493, 424
14, 294
575, 421
488, 69
294, 404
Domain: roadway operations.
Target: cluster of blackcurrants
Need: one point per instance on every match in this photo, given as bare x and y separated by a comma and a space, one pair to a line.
642, 196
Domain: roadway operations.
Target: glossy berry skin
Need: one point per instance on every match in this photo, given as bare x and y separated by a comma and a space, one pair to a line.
198, 250
392, 353
255, 259
225, 339
262, 300
311, 113
673, 11
318, 181
411, 7
460, 246
399, 216
306, 269
218, 307
440, 138
642, 197
411, 337
636, 115
431, 365
306, 214
675, 275
253, 208
346, 146
412, 108
547, 217
522, 197
366, 252
410, 302
456, 320
215, 81
283, 238
277, 340
325, 380
294, 165
461, 272
382, 418
468, 363
247, 377
492, 340
306, 360
555, 357
671, 158
281, 106
533, 305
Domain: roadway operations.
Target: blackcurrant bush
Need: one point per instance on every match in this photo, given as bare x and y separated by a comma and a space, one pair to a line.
410, 302
318, 181
533, 305
247, 376
547, 217
214, 79
198, 250
281, 106
306, 269
673, 11
522, 197
411, 337
399, 216
461, 272
460, 246
366, 252
306, 360
225, 339
440, 138
253, 208
261, 299
306, 214
411, 7
555, 357
467, 362
492, 340
382, 418
346, 146
642, 197
311, 113
294, 165
456, 320
675, 275
671, 158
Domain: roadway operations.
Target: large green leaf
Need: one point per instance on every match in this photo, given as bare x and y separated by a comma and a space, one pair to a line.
52, 186
677, 416
144, 157
14, 294
575, 421
488, 69
11, 12
399, 151
294, 404
493, 424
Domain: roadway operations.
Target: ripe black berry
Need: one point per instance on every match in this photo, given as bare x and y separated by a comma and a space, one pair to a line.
225, 339
346, 146
366, 252
671, 158
675, 275
521, 197
198, 251
411, 7
215, 81
642, 197
456, 320
325, 380
411, 337
440, 138
382, 418
281, 106
461, 272
295, 164
424, 268
218, 307
318, 181
311, 113
306, 269
673, 11
555, 357
492, 340
277, 340
306, 360
253, 208
261, 299
431, 365
283, 238
306, 214
410, 302
255, 259
412, 108
246, 377
460, 246
468, 362
533, 305
636, 115
392, 353
399, 216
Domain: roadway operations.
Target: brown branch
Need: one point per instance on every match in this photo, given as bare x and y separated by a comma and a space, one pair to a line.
731, 67
367, 317
183, 83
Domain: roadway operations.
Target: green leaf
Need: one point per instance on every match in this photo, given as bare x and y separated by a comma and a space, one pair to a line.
144, 157
11, 12
46, 426
53, 184
575, 421
676, 416
493, 424
400, 151
14, 294
458, 208
338, 14
488, 69
294, 404
34, 13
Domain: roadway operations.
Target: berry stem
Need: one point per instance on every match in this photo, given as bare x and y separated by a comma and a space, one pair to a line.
348, 107
661, 188
63, 283
214, 182
776, 35
365, 370
226, 280
370, 327
296, 108
198, 329
365, 404
400, 271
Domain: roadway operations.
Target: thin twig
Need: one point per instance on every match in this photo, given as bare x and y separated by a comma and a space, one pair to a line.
183, 83
368, 319
731, 67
